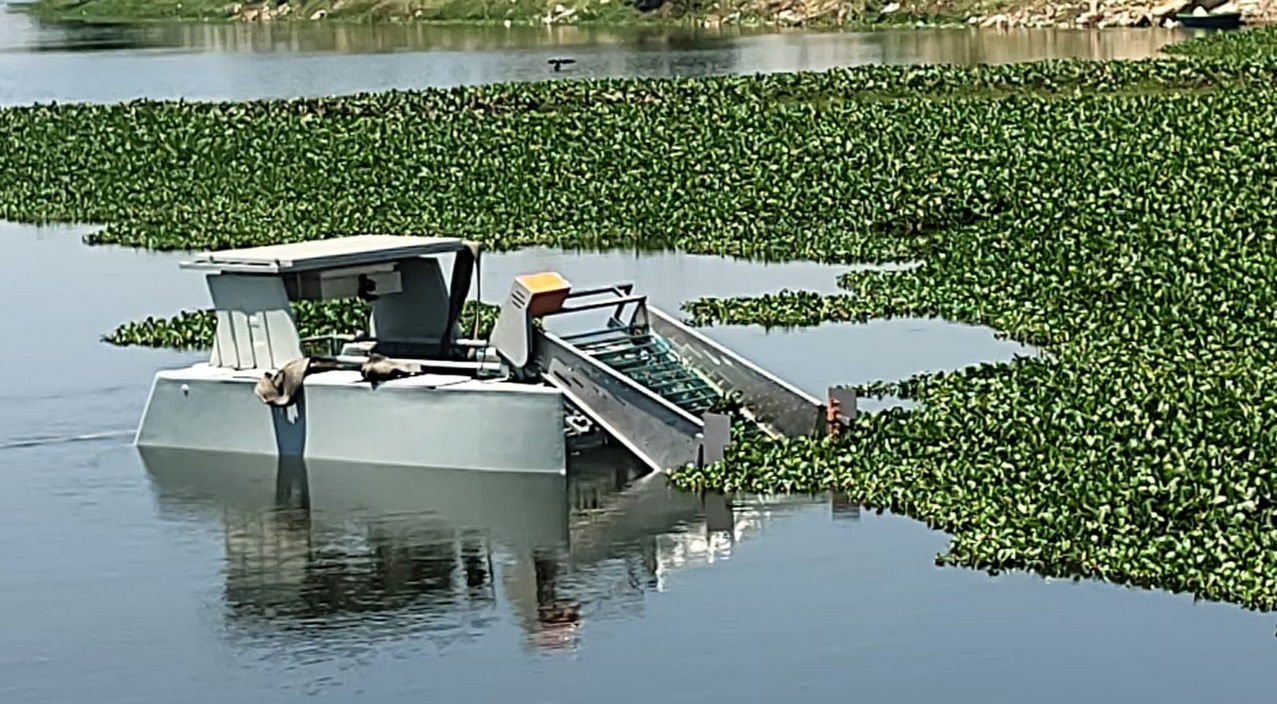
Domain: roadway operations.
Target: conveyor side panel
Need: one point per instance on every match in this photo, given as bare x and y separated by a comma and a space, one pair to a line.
653, 363
662, 435
773, 402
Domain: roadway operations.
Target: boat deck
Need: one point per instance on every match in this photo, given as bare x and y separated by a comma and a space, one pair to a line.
342, 377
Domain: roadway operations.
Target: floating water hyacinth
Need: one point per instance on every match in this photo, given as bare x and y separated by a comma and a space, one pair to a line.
1116, 214
1252, 42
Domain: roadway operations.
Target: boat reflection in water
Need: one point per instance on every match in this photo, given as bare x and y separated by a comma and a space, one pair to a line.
319, 549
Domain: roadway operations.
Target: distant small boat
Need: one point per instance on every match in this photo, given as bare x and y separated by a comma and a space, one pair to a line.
1210, 20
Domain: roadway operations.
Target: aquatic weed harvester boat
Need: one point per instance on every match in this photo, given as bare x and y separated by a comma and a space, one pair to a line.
413, 391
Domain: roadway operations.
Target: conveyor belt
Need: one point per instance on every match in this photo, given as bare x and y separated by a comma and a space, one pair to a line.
643, 378
651, 361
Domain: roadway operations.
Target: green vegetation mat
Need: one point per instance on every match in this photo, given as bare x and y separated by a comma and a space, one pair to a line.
1120, 215
692, 164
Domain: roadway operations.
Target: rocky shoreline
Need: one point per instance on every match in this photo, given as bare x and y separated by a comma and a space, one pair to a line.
1102, 14
1077, 14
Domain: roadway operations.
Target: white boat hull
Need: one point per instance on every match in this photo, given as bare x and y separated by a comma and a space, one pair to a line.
429, 420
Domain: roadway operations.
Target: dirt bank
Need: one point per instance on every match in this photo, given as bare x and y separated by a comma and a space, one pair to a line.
787, 13
1117, 13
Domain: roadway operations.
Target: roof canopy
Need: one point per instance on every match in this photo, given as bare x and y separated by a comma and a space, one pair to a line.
333, 253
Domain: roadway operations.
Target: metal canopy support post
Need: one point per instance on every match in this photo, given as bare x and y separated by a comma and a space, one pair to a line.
463, 268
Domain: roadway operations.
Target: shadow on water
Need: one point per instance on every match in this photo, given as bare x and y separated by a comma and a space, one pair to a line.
336, 548
291, 37
21, 33
827, 47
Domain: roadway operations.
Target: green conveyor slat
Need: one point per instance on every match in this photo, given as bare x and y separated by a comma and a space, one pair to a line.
649, 361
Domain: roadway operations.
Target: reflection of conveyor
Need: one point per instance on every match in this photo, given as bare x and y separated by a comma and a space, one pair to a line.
663, 390
342, 556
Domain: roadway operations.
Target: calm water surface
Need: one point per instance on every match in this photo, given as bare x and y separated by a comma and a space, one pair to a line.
209, 578
203, 62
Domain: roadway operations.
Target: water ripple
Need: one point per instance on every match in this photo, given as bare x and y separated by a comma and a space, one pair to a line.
20, 443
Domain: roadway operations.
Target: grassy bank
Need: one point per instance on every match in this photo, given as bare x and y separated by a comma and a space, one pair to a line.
1117, 214
818, 13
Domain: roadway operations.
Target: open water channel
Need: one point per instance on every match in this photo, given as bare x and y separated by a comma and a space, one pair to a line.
207, 579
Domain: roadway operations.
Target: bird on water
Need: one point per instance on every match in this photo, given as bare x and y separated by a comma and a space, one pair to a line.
558, 64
